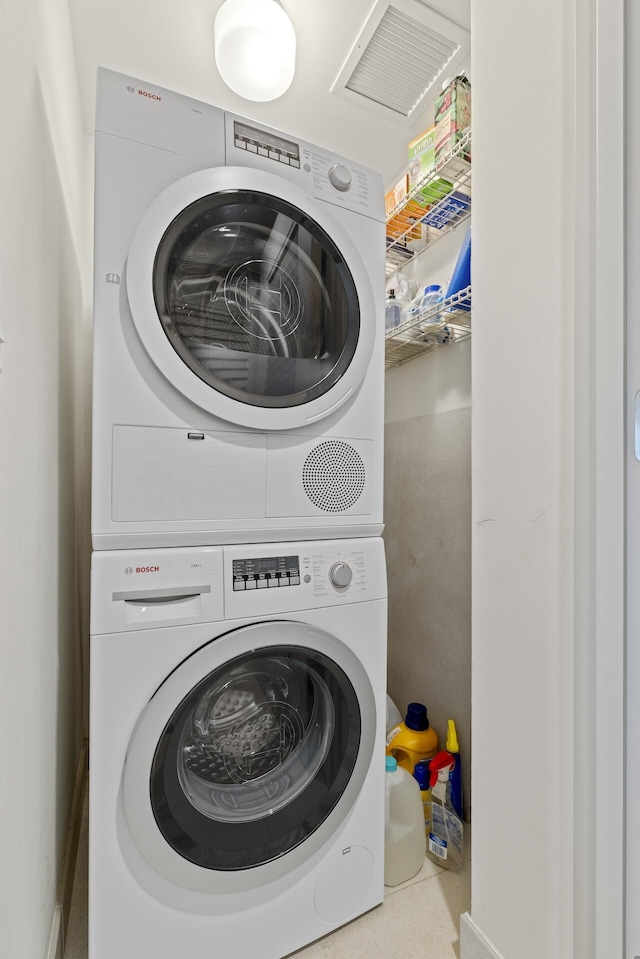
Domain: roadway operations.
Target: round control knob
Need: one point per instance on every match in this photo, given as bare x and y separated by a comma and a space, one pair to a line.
340, 575
339, 177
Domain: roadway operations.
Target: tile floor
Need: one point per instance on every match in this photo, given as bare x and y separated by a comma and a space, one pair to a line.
419, 919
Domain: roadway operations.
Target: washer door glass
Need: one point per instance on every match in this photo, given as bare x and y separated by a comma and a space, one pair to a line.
256, 299
255, 757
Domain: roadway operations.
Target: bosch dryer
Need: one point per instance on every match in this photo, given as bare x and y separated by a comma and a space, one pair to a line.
238, 329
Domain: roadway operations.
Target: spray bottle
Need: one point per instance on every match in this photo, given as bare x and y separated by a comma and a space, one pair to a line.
446, 838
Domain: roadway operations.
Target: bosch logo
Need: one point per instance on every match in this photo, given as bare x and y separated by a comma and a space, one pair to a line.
128, 570
147, 569
151, 96
131, 89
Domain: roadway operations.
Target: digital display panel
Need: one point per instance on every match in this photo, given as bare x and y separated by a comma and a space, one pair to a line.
246, 134
266, 572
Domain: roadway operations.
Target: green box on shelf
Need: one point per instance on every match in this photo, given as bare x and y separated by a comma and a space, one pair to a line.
422, 165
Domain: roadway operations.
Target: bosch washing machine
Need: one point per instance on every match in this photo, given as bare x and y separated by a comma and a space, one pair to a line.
238, 329
237, 747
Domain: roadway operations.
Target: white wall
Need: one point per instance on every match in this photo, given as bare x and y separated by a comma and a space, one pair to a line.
522, 865
547, 489
42, 501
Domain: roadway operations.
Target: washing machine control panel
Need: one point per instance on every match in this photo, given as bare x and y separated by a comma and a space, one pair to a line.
266, 572
324, 573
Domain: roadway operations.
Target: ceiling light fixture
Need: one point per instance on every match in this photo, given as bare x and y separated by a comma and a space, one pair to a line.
255, 48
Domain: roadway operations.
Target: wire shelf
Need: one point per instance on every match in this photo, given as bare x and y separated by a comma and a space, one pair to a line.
411, 227
439, 325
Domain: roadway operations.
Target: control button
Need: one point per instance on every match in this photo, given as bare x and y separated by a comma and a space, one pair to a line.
273, 582
340, 575
294, 580
238, 584
252, 147
251, 583
307, 578
263, 152
273, 154
241, 144
340, 177
284, 159
297, 163
262, 584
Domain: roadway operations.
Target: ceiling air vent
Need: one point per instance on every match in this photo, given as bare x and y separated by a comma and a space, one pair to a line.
402, 51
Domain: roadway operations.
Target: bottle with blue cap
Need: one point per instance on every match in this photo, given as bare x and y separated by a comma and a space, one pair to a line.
431, 297
414, 739
422, 776
404, 836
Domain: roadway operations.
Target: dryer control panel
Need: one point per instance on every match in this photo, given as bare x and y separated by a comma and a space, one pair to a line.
323, 174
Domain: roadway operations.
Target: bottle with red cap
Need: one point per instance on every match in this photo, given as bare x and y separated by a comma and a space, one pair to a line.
445, 842
414, 739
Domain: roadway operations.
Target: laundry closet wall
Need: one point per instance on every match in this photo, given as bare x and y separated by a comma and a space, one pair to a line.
427, 534
43, 496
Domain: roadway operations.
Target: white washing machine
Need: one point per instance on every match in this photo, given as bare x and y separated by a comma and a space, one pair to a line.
238, 329
237, 747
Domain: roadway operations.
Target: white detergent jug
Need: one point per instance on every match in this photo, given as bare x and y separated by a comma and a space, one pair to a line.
404, 836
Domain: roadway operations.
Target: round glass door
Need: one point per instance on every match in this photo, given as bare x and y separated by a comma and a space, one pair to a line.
255, 757
256, 299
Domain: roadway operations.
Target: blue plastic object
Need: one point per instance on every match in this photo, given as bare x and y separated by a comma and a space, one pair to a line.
455, 778
421, 773
461, 277
416, 717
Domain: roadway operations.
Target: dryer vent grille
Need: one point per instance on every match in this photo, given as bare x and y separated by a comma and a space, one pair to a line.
333, 476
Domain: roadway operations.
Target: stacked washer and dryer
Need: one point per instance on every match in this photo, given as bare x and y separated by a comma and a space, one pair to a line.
238, 609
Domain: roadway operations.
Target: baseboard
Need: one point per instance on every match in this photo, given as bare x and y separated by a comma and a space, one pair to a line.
60, 919
473, 944
56, 943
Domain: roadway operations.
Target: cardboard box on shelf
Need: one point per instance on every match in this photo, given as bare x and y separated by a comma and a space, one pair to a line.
452, 115
408, 218
422, 167
396, 195
422, 156
450, 211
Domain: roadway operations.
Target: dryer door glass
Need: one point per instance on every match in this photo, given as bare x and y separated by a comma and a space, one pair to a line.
255, 757
256, 299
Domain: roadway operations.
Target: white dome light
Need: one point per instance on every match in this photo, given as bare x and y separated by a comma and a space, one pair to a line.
255, 48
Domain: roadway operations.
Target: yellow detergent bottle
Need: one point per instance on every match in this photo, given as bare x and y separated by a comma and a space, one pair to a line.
412, 740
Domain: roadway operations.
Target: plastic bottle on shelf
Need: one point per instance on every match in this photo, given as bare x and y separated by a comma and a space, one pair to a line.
404, 836
431, 297
392, 311
414, 739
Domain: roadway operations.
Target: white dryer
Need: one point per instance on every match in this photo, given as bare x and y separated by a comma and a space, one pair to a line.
237, 747
238, 329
